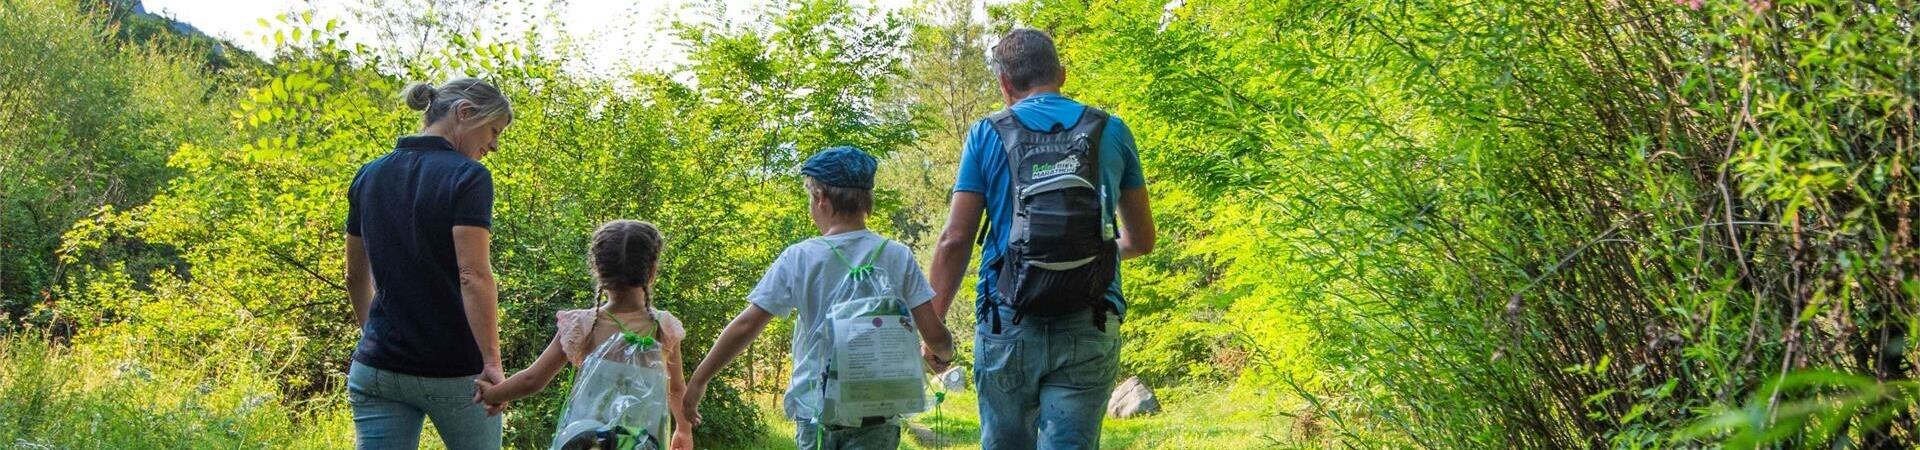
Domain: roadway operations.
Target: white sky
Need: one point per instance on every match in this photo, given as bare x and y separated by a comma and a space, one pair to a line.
613, 34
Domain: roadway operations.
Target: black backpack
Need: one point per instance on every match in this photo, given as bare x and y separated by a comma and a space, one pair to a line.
1061, 256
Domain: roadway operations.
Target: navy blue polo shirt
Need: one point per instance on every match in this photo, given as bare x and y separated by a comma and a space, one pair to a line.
404, 206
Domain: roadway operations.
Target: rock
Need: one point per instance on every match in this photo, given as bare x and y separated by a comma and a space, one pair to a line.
1132, 398
923, 435
954, 379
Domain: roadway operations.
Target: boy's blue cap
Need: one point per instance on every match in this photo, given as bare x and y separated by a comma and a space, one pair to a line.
846, 167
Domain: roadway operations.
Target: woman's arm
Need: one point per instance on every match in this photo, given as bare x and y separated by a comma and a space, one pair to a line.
480, 296
527, 381
359, 279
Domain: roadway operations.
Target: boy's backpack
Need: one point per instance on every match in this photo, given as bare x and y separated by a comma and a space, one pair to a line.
873, 368
619, 398
1061, 256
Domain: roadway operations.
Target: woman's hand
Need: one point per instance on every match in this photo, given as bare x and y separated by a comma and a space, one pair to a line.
493, 396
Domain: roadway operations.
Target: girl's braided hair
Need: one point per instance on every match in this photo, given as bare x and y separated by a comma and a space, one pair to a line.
623, 254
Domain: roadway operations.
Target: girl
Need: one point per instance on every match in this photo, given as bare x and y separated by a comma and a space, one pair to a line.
625, 259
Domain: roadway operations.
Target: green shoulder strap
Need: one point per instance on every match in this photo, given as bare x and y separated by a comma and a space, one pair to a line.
632, 338
856, 269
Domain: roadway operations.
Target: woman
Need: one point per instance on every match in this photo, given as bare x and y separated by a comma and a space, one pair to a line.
417, 272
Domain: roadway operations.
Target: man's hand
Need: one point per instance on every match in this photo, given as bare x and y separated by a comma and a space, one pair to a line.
935, 362
691, 403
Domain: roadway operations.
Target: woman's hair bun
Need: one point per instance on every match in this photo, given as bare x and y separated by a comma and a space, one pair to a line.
420, 95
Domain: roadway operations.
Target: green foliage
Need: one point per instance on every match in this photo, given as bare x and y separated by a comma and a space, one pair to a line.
1440, 223
132, 394
84, 123
174, 37
257, 223
1517, 224
946, 86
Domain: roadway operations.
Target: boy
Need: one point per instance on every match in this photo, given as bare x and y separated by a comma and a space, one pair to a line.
839, 185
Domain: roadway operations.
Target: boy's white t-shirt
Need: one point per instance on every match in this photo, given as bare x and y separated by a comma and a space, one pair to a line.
802, 278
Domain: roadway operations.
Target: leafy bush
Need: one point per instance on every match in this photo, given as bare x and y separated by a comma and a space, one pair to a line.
85, 122
1525, 224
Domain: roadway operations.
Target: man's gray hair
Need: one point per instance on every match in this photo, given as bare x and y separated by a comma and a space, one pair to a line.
1026, 57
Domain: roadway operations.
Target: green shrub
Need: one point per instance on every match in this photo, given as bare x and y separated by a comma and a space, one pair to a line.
86, 121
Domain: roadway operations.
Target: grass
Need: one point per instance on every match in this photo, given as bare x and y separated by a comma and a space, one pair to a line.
102, 396
1191, 417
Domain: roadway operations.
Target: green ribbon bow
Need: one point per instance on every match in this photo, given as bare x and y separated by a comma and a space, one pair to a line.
642, 341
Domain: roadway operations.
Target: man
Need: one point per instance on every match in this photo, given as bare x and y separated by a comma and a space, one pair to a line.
1047, 346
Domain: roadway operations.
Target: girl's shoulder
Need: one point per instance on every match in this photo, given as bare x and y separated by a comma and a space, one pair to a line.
671, 331
576, 317
575, 326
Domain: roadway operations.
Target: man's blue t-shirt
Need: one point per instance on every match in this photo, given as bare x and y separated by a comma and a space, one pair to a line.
404, 206
983, 170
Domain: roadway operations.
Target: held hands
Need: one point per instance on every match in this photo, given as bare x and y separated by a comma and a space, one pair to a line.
935, 362
682, 438
691, 404
487, 391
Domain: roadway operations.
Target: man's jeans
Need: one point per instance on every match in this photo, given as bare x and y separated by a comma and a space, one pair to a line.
1044, 383
388, 409
873, 437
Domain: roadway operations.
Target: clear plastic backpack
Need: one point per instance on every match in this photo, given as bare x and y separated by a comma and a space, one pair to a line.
619, 397
872, 351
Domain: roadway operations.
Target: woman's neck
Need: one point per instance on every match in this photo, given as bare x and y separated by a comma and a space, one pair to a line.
437, 129
627, 300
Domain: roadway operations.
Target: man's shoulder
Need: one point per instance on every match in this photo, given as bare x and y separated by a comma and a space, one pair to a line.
982, 128
1117, 127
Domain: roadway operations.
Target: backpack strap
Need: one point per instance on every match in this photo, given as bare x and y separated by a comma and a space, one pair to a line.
636, 339
1093, 125
1012, 133
1093, 122
861, 268
1010, 130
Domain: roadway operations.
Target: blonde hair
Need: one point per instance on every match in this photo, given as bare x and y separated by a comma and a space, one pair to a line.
487, 101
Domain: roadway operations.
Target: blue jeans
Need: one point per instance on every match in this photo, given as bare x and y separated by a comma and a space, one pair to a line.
1044, 383
389, 408
883, 436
